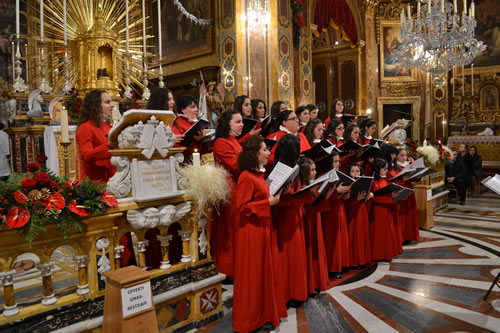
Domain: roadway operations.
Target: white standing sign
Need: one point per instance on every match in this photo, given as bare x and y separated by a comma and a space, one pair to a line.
136, 299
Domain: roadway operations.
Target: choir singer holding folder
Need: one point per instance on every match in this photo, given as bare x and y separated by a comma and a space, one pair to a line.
187, 117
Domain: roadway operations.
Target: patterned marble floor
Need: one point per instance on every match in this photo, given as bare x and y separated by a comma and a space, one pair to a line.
436, 285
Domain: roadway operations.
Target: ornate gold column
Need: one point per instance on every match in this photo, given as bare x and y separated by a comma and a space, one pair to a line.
164, 240
48, 293
83, 281
141, 250
185, 237
118, 256
7, 279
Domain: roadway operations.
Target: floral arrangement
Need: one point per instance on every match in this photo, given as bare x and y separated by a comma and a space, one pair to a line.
208, 186
435, 154
411, 150
73, 104
28, 203
298, 20
129, 103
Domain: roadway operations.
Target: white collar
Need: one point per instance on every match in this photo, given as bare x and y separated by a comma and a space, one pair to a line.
339, 138
368, 137
184, 116
261, 168
284, 129
402, 164
339, 115
303, 123
316, 140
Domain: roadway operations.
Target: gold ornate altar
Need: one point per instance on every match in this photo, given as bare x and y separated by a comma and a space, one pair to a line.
186, 294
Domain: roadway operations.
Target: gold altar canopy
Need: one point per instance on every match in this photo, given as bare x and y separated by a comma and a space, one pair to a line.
96, 38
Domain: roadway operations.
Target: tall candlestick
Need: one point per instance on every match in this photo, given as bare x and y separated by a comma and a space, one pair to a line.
453, 81
409, 12
126, 25
27, 62
473, 9
41, 21
442, 6
64, 125
159, 31
64, 27
402, 17
418, 9
429, 6
18, 30
463, 80
472, 74
465, 7
455, 6
13, 62
144, 28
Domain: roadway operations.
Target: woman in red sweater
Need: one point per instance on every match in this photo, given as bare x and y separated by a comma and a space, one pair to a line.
222, 225
257, 300
92, 136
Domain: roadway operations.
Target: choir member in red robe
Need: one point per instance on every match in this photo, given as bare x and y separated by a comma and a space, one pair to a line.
289, 223
187, 117
256, 298
92, 136
243, 105
314, 131
382, 231
317, 267
288, 123
408, 212
222, 225
336, 112
335, 232
389, 152
302, 114
358, 223
161, 99
335, 132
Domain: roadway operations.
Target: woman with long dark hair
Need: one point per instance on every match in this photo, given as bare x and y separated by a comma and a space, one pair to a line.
303, 115
243, 105
314, 131
336, 112
335, 132
161, 99
222, 228
259, 109
92, 136
257, 300
368, 128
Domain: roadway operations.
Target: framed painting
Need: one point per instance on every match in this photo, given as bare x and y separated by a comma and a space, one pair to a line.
182, 38
390, 39
487, 31
489, 98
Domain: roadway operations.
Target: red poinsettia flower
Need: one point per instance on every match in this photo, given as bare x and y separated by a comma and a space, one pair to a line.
72, 183
77, 209
42, 177
28, 183
109, 199
41, 159
32, 167
20, 197
17, 217
55, 201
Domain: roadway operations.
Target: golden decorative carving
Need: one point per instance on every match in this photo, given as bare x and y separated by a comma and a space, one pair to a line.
400, 88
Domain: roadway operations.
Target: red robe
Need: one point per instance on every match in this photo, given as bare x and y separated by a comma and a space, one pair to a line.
399, 218
382, 230
304, 144
94, 151
222, 224
410, 218
359, 232
180, 126
288, 220
335, 235
256, 299
317, 266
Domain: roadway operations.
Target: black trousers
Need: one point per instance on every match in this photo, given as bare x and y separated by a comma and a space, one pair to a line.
461, 186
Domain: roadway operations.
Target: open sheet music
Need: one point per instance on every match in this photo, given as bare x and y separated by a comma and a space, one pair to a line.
199, 126
327, 185
280, 176
361, 184
493, 183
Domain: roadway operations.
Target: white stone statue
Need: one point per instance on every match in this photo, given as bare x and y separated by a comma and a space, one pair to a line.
34, 104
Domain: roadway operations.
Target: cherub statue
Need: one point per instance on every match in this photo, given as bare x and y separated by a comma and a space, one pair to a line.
55, 107
34, 104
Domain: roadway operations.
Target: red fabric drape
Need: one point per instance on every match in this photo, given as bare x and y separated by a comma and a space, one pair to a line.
337, 13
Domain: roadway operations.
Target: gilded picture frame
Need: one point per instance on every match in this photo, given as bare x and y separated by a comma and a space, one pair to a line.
390, 38
489, 98
181, 38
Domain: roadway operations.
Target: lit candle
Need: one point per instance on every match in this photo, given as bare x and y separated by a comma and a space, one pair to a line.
409, 12
64, 125
455, 6
13, 62
429, 6
463, 80
196, 158
402, 17
442, 6
473, 9
465, 7
418, 9
472, 74
126, 26
144, 28
18, 30
41, 20
65, 32
159, 31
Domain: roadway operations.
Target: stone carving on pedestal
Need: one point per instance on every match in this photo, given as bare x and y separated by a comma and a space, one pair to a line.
153, 216
121, 182
104, 264
202, 239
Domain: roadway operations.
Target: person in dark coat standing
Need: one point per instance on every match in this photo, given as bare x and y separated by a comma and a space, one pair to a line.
456, 173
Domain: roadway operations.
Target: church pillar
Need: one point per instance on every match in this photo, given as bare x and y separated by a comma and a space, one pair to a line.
303, 62
371, 49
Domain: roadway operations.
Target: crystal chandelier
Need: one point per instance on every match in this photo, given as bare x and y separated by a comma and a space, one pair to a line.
438, 39
258, 16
